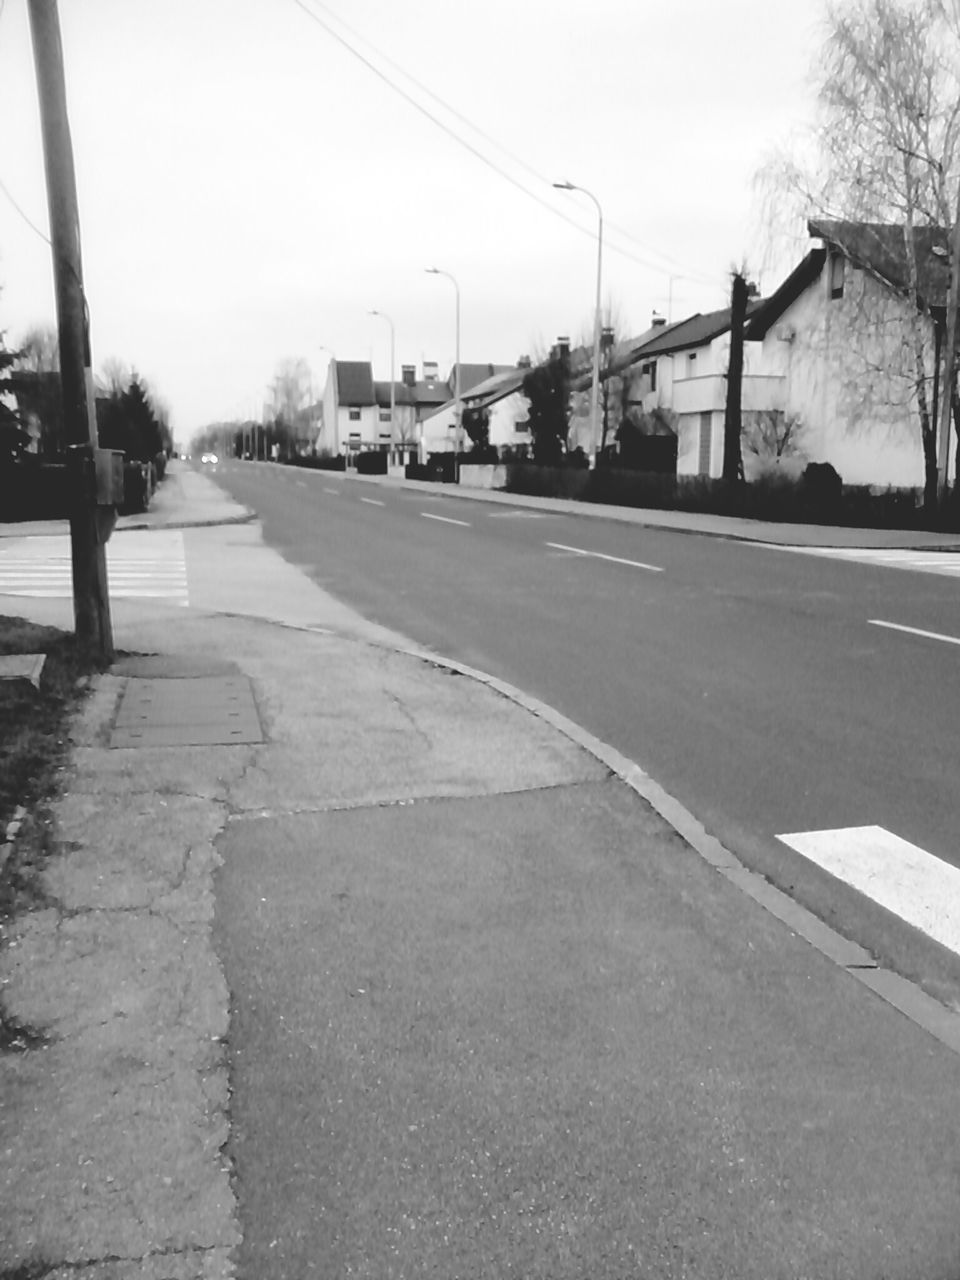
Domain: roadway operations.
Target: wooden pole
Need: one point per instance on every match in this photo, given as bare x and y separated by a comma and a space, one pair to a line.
91, 601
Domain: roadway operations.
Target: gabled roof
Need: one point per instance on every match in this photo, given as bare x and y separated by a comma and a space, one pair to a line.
402, 394
800, 278
497, 387
431, 391
621, 357
881, 249
354, 383
472, 374
696, 331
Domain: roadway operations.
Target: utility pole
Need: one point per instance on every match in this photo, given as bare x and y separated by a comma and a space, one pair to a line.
91, 600
732, 420
949, 384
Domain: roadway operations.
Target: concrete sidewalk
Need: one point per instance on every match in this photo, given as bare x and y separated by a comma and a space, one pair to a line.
704, 524
425, 983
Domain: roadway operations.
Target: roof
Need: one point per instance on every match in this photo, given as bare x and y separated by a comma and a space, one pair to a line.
696, 331
620, 357
881, 249
431, 391
496, 387
473, 374
354, 382
799, 279
402, 394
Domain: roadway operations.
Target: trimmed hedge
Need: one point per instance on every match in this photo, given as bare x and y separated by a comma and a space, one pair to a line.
817, 498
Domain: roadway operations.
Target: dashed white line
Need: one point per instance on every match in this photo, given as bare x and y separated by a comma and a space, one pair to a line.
916, 886
427, 515
599, 555
914, 631
335, 492
373, 502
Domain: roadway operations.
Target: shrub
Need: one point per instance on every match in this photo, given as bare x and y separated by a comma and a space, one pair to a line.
373, 462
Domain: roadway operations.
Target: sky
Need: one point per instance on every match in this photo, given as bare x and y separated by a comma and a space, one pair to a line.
250, 189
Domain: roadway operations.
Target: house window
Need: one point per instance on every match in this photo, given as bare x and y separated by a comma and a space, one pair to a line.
837, 264
650, 371
384, 415
522, 426
691, 364
354, 415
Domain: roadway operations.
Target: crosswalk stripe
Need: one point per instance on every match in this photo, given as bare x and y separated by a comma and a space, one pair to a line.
915, 885
942, 562
141, 564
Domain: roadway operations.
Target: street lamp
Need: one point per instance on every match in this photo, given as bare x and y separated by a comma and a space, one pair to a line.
457, 414
595, 388
393, 426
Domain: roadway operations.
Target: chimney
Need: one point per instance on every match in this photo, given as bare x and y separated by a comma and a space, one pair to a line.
562, 348
606, 338
523, 362
657, 321
408, 375
430, 370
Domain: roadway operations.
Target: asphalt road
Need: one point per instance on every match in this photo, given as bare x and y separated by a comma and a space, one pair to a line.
751, 682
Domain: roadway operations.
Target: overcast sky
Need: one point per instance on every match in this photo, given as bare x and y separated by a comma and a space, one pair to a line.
249, 189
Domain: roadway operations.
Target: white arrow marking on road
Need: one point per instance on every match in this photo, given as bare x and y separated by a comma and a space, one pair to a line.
914, 631
446, 519
921, 889
599, 555
373, 502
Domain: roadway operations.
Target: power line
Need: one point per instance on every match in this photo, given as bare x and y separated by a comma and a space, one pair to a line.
434, 119
512, 155
3, 187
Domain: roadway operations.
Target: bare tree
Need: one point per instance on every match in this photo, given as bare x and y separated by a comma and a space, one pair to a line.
39, 350
886, 150
115, 376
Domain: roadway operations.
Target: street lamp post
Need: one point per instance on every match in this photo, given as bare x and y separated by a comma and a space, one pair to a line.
457, 409
393, 425
595, 387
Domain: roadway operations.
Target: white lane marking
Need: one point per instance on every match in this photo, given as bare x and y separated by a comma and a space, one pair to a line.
517, 515
336, 492
921, 889
373, 502
302, 484
446, 519
599, 555
914, 631
141, 564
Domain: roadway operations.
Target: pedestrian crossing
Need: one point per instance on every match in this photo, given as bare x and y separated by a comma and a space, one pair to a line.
142, 564
918, 560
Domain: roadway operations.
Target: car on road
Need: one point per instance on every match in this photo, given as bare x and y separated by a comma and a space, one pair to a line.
210, 458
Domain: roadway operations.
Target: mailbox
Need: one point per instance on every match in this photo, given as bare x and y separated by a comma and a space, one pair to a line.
109, 477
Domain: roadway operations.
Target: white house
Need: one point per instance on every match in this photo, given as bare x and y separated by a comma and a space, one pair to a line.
500, 394
856, 349
682, 370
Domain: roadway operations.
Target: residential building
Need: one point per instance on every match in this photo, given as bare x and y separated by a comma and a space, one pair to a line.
500, 394
858, 349
682, 371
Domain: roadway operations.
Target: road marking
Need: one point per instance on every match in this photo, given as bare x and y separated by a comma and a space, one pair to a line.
335, 492
942, 562
373, 502
921, 889
599, 555
517, 515
914, 631
446, 519
141, 564
302, 484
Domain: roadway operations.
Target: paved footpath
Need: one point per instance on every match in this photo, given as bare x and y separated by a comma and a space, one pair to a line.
423, 984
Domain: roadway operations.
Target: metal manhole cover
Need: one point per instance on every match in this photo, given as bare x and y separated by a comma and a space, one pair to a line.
194, 711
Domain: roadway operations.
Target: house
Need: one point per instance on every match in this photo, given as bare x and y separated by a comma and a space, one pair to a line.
351, 420
857, 349
681, 370
500, 394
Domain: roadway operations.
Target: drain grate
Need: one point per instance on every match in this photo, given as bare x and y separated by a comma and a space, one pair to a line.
194, 711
